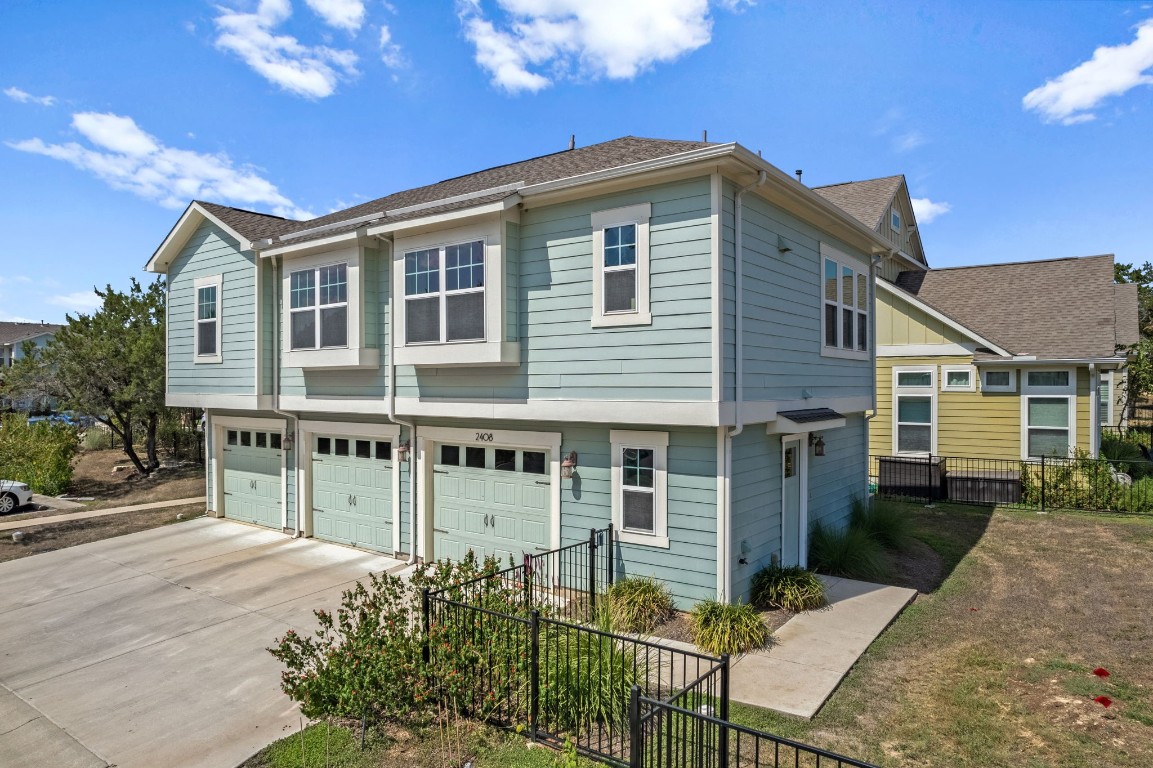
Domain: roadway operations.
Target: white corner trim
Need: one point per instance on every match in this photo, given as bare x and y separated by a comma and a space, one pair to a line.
659, 443
716, 204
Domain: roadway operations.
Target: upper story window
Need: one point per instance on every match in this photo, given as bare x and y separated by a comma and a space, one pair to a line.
208, 319
958, 378
621, 266
895, 220
845, 313
319, 307
444, 293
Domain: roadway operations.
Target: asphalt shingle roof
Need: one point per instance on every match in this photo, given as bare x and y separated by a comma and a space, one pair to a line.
14, 333
866, 201
1053, 309
559, 165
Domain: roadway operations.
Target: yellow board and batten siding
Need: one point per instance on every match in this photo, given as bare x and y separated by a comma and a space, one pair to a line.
969, 424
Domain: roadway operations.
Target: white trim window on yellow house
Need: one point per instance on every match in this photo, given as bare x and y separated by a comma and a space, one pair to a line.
1048, 412
914, 410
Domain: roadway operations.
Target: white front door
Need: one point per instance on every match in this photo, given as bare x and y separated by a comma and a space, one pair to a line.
794, 502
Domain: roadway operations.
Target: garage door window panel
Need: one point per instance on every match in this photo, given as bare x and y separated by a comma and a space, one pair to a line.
474, 457
534, 462
450, 455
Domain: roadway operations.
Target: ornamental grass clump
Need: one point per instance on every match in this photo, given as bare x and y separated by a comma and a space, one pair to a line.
850, 552
792, 589
886, 522
720, 628
639, 604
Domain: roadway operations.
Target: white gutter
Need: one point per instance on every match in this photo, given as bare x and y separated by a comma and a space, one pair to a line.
1050, 361
873, 264
390, 366
1094, 412
276, 391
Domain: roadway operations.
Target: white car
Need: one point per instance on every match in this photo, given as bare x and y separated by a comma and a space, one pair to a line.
13, 495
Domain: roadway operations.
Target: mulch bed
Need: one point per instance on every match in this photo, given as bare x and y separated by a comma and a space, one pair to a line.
677, 628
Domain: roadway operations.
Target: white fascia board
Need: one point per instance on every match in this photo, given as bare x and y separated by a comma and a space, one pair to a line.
926, 350
1049, 362
193, 215
443, 218
656, 164
910, 298
703, 413
312, 246
910, 260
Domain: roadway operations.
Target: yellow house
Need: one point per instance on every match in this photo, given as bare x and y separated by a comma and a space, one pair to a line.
999, 361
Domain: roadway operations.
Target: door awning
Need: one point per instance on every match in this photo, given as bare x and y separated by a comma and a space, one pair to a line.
805, 420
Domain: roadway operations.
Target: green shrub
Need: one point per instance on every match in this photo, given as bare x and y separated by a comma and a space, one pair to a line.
793, 589
1125, 453
720, 628
639, 604
849, 552
885, 521
97, 439
39, 454
586, 677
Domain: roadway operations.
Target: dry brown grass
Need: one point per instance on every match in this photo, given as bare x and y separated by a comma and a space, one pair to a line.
994, 668
94, 476
46, 538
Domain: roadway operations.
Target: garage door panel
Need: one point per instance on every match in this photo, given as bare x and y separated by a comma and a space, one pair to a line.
352, 493
535, 533
253, 481
535, 497
504, 494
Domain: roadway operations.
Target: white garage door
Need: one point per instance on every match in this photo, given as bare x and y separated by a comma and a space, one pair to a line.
252, 478
352, 491
494, 501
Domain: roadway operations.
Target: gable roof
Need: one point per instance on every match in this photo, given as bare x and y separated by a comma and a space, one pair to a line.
16, 333
1052, 309
500, 180
866, 201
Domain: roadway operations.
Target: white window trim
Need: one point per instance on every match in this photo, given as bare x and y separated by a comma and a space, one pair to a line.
929, 391
801, 440
354, 354
1010, 387
947, 369
633, 214
894, 213
843, 259
658, 442
442, 293
1068, 393
493, 349
317, 306
1106, 378
216, 281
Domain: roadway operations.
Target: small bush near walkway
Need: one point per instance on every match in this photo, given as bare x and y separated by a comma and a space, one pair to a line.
849, 552
885, 521
793, 589
720, 628
638, 604
39, 454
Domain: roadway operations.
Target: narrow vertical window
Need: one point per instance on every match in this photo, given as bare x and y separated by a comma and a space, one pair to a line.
831, 310
206, 321
637, 489
914, 411
620, 268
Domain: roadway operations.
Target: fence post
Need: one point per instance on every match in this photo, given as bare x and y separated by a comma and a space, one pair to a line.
426, 650
528, 580
1042, 482
592, 573
534, 673
635, 747
611, 556
723, 746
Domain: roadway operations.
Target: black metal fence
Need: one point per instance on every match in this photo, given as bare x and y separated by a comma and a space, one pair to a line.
1080, 483
524, 648
690, 734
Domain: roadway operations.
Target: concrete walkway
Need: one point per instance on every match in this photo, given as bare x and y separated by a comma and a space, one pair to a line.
11, 525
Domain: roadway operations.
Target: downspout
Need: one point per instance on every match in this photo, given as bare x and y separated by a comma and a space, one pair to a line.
725, 517
390, 365
1094, 411
276, 389
873, 264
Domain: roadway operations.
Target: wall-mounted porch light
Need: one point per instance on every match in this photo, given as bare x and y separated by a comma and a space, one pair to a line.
403, 450
568, 464
818, 444
289, 441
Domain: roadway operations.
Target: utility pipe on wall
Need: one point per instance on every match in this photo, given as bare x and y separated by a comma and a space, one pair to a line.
276, 392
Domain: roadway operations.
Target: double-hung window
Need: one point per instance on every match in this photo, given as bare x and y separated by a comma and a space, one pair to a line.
914, 411
319, 307
207, 339
1048, 412
444, 294
845, 312
621, 266
639, 486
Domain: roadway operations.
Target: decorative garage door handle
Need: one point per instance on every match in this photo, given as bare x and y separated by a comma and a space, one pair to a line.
543, 482
252, 484
351, 500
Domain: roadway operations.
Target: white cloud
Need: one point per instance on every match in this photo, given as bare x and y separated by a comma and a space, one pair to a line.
126, 157
390, 53
342, 14
909, 141
79, 301
1113, 70
24, 97
926, 210
309, 71
541, 41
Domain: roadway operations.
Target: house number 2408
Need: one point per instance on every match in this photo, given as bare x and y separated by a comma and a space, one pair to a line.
484, 437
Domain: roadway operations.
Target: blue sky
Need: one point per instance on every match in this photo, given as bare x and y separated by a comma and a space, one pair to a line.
1024, 128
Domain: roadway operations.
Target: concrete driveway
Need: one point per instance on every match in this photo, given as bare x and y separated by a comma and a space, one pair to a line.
149, 649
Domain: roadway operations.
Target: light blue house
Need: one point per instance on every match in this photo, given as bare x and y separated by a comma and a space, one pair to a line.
13, 337
419, 374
